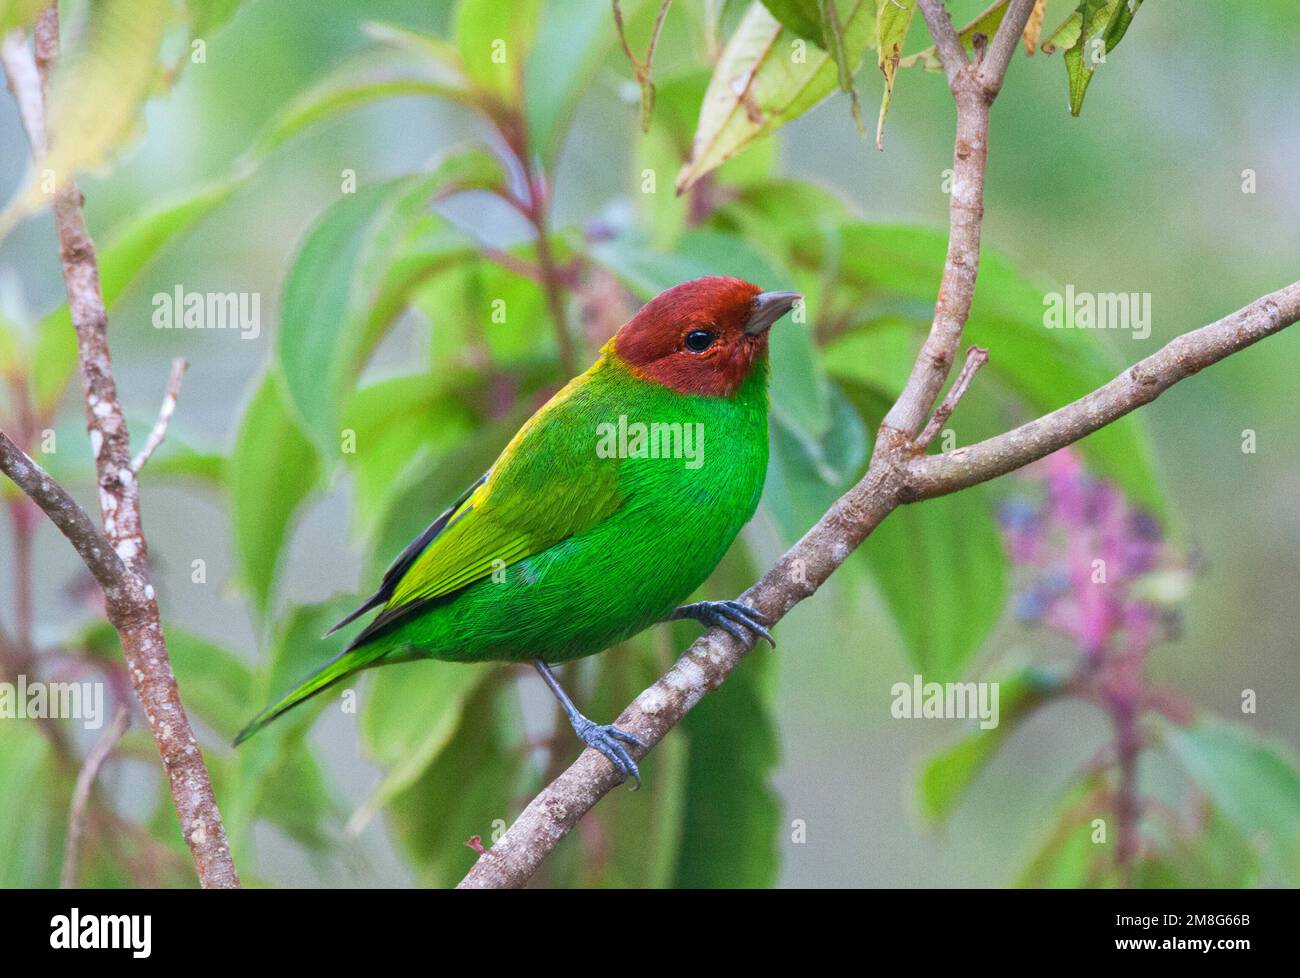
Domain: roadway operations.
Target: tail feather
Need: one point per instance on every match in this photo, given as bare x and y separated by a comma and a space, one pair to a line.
338, 668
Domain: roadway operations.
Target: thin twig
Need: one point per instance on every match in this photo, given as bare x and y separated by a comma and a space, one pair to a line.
81, 794
993, 68
951, 53
641, 69
938, 475
72, 521
976, 357
165, 413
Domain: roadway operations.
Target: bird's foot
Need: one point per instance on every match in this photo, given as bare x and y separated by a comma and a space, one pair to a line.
733, 617
609, 740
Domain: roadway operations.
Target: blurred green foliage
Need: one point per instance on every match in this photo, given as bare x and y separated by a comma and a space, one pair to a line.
455, 757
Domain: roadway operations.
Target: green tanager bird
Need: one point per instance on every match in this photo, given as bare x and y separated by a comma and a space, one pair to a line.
607, 509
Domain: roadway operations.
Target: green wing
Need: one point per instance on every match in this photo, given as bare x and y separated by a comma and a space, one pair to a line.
546, 486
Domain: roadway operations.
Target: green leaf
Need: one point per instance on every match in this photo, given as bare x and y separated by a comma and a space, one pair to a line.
836, 41
1066, 857
494, 39
803, 17
732, 820
807, 473
273, 776
765, 213
1213, 855
273, 468
209, 16
470, 789
1119, 22
412, 712
1089, 34
1254, 783
942, 571
572, 43
436, 53
214, 683
758, 85
986, 23
25, 827
947, 775
491, 310
470, 168
893, 18
95, 95
337, 95
181, 462
399, 424
375, 75
127, 253
295, 794
343, 271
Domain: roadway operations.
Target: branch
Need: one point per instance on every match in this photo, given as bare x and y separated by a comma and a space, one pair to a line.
71, 520
119, 557
976, 357
165, 413
939, 22
994, 66
938, 475
974, 87
899, 472
81, 795
641, 69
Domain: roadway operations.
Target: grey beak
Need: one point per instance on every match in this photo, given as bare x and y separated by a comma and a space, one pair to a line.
768, 308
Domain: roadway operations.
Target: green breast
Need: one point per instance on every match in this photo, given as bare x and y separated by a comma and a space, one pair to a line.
690, 470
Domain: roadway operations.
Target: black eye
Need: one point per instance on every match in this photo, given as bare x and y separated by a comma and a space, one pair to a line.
699, 340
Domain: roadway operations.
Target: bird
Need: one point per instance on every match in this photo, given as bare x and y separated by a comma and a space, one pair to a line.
608, 508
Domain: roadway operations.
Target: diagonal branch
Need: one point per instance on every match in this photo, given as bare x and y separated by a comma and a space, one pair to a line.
71, 520
95, 760
119, 557
159, 432
939, 22
899, 471
938, 475
998, 55
974, 87
976, 357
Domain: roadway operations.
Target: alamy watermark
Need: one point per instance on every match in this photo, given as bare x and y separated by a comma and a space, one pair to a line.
919, 700
97, 932
178, 309
1098, 310
659, 439
38, 700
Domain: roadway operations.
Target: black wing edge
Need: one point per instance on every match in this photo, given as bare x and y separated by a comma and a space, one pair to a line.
404, 561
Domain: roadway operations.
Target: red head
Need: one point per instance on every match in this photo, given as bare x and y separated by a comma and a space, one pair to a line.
703, 336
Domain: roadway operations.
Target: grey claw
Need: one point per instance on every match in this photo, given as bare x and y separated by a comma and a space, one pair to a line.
606, 740
623, 735
749, 612
731, 616
751, 618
